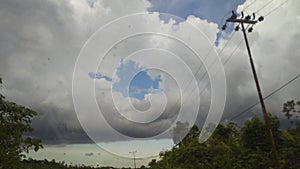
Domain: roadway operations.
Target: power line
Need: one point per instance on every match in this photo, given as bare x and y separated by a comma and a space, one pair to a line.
268, 3
240, 42
264, 6
226, 43
208, 53
229, 57
276, 8
231, 36
266, 97
249, 5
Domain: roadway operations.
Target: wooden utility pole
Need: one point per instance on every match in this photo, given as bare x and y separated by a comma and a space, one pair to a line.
248, 20
133, 153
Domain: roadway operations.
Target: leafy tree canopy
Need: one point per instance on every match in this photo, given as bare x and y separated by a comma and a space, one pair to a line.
14, 122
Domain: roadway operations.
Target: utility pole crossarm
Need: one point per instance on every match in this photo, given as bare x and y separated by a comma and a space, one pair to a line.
241, 21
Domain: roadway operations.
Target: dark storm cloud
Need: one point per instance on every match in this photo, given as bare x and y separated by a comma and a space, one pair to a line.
38, 48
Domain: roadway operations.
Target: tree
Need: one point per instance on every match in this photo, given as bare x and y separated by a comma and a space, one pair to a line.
14, 122
142, 167
254, 134
290, 107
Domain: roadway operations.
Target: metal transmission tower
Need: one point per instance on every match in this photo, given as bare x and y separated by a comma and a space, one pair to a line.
252, 21
133, 153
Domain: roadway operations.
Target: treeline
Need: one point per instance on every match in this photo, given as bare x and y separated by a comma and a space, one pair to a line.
45, 164
234, 147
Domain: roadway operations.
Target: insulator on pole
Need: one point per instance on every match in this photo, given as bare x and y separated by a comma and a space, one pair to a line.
224, 27
233, 16
250, 29
248, 17
261, 18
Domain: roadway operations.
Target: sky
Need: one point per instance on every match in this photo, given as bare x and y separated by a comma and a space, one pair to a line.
105, 73
140, 82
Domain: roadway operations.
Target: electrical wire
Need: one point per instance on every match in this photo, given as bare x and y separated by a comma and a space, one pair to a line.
249, 5
268, 3
229, 55
266, 97
206, 56
226, 43
276, 8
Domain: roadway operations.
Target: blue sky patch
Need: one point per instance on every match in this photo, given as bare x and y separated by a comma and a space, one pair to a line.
212, 10
93, 75
216, 11
134, 81
91, 3
142, 84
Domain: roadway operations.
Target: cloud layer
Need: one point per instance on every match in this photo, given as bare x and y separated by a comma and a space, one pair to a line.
40, 41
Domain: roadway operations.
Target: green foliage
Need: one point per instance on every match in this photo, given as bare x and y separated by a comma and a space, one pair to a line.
45, 164
14, 122
254, 134
289, 108
233, 147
